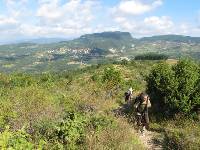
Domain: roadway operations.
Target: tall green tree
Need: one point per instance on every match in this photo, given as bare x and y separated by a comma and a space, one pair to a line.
176, 88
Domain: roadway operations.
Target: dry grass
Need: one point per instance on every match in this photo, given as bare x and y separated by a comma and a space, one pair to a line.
122, 137
171, 61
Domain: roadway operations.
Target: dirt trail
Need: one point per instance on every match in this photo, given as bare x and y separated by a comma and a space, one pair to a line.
152, 140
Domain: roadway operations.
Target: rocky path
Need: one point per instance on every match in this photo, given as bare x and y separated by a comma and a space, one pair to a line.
151, 140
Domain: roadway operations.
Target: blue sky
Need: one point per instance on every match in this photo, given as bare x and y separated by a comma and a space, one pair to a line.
21, 19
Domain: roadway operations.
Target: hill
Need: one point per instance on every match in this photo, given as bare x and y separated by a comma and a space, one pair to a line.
172, 38
105, 41
92, 49
62, 111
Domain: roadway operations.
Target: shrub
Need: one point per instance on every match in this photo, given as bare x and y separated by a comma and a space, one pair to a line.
95, 77
19, 140
6, 112
68, 133
137, 85
114, 134
179, 139
15, 140
4, 80
32, 104
99, 122
111, 76
21, 80
71, 129
161, 84
47, 79
175, 88
187, 75
124, 62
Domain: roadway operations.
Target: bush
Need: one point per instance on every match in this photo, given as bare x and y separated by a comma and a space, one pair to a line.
15, 140
21, 80
6, 112
187, 75
175, 88
72, 132
71, 129
99, 122
95, 77
112, 76
4, 80
137, 85
31, 105
124, 62
179, 139
161, 84
19, 140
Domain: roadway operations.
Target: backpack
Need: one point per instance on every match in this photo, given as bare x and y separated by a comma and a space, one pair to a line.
137, 103
139, 106
127, 96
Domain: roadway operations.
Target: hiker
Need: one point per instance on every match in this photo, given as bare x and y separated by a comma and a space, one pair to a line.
128, 96
141, 104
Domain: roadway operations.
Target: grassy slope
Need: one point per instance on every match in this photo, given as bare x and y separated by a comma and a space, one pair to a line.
38, 102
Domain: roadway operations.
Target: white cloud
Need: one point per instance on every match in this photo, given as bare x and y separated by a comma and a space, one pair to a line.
51, 19
7, 23
128, 15
159, 23
155, 25
47, 1
136, 7
16, 8
49, 11
71, 11
126, 24
47, 31
147, 26
73, 17
188, 29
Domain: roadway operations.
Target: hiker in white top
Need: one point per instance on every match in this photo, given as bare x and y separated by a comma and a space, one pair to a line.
128, 96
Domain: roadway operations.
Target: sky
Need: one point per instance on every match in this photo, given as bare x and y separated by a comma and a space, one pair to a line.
25, 19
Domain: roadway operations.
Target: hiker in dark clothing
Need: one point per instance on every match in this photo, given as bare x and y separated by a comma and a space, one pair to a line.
128, 96
142, 103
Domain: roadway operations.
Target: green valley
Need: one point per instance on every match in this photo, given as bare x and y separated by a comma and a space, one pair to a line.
92, 49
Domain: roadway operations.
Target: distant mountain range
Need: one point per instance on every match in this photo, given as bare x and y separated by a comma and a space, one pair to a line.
41, 40
60, 54
172, 38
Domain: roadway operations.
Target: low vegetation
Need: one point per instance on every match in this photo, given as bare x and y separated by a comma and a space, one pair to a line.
175, 88
75, 110
63, 111
175, 97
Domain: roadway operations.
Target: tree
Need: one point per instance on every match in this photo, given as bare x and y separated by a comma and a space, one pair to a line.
176, 88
